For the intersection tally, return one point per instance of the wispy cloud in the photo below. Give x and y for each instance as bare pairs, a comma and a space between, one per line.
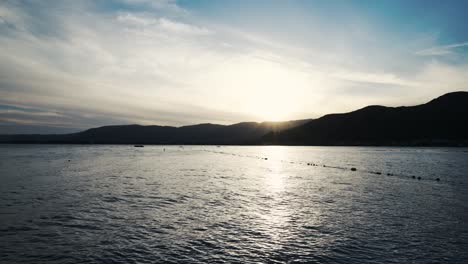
441, 50
375, 78
147, 22
170, 6
82, 66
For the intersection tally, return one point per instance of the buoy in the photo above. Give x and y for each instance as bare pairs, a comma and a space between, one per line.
437, 179
419, 178
353, 169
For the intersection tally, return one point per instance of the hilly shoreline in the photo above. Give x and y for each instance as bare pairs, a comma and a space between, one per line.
440, 122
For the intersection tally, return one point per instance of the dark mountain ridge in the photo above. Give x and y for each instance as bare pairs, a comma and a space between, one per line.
245, 133
440, 122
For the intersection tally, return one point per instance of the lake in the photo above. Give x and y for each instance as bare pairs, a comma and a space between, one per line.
234, 204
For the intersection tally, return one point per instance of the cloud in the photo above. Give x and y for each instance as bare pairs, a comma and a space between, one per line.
167, 6
374, 78
165, 24
182, 28
441, 50
19, 112
80, 66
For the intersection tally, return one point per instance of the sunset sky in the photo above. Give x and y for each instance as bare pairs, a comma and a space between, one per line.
72, 65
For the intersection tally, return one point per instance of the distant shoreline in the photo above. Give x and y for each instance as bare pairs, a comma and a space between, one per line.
441, 122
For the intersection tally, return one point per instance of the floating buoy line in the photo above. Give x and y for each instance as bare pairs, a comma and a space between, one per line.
419, 178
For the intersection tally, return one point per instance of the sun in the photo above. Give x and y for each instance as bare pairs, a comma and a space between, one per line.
262, 89
272, 106
272, 111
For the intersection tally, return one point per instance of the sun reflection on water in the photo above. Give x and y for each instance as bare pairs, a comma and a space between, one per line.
277, 215
275, 178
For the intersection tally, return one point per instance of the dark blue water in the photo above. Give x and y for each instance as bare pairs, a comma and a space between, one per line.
120, 204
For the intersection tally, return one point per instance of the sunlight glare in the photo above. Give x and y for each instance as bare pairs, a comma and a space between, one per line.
275, 178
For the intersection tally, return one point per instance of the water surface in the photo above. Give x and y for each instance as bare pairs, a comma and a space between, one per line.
199, 204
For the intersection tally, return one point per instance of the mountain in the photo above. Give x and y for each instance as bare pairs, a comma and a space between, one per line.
245, 133
442, 121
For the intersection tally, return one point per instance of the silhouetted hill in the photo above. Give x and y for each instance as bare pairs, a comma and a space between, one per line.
241, 133
442, 121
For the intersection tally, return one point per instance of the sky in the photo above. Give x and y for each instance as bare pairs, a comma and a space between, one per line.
70, 65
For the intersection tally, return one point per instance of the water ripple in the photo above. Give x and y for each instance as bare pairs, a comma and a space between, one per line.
232, 205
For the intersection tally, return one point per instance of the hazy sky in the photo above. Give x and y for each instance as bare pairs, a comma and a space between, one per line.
68, 65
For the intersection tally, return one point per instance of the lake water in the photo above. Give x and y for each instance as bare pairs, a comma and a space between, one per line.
206, 204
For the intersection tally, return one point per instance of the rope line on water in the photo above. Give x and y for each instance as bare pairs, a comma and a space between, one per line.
419, 178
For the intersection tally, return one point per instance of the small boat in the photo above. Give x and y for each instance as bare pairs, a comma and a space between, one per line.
139, 146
